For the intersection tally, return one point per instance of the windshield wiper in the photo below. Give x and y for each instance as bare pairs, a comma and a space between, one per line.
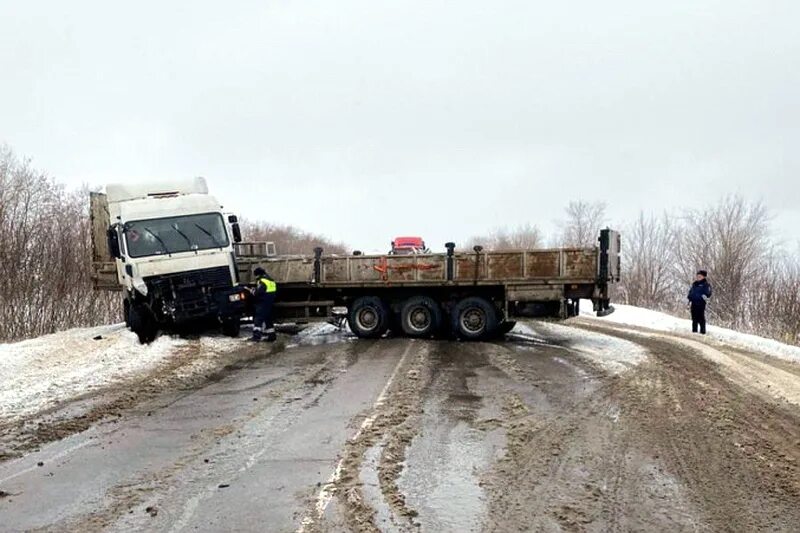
188, 240
204, 230
159, 239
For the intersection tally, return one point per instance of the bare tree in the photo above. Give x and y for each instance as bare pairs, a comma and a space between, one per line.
773, 301
649, 254
45, 260
289, 240
582, 223
525, 236
730, 240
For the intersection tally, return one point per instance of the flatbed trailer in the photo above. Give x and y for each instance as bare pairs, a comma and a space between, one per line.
472, 295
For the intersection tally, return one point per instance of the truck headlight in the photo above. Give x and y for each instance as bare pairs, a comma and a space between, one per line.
238, 297
140, 285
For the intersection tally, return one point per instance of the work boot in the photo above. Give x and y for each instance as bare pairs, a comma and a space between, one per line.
271, 337
256, 336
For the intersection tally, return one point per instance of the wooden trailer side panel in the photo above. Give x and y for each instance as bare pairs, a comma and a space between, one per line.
544, 264
580, 264
502, 267
104, 269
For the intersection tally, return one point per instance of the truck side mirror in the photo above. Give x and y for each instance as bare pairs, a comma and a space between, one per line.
237, 231
233, 219
113, 243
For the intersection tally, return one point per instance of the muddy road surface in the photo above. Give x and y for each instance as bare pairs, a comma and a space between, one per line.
582, 426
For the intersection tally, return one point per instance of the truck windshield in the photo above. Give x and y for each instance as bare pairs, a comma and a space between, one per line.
163, 236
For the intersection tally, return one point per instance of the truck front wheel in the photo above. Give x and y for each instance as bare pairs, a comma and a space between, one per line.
474, 319
142, 323
231, 327
421, 317
369, 317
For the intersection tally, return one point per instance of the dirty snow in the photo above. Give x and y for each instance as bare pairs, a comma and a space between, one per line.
321, 333
43, 372
637, 316
610, 353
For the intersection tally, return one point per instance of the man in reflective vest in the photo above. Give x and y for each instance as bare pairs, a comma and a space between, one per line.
264, 298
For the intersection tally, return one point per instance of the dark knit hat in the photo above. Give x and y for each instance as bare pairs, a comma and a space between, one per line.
259, 271
703, 273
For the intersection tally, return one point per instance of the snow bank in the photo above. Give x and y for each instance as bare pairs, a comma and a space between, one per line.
637, 316
610, 353
40, 373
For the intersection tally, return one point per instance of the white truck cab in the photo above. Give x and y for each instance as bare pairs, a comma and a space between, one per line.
172, 245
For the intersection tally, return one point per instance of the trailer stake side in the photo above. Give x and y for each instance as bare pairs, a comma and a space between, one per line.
468, 294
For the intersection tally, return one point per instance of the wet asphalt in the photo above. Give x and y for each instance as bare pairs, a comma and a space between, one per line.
256, 448
244, 453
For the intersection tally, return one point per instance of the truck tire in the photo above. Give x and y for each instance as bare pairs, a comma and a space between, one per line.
231, 327
369, 317
474, 319
142, 323
126, 312
421, 317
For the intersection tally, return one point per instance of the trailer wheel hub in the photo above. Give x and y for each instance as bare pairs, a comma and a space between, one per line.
420, 318
473, 319
367, 318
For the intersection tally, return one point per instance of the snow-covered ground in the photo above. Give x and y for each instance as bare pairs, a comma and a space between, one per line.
42, 372
610, 353
636, 316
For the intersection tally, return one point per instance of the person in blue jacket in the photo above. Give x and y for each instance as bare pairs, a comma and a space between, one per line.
699, 293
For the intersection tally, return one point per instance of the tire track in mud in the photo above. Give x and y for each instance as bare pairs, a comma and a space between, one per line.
572, 461
736, 452
391, 423
522, 484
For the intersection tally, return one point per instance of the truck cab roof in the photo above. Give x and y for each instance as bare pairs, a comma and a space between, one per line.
123, 192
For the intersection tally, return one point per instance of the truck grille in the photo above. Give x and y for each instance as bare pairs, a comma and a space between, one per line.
210, 278
192, 295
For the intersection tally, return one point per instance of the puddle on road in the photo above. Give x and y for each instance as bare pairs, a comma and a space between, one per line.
444, 463
442, 479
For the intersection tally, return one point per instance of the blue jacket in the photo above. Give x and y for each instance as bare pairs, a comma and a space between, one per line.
698, 290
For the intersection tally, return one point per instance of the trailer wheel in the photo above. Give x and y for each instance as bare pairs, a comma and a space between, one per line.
143, 323
369, 317
474, 319
421, 316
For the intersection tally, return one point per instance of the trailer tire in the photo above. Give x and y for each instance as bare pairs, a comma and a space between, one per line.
369, 317
143, 324
474, 318
421, 317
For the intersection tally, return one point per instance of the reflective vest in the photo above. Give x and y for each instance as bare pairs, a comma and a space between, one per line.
269, 285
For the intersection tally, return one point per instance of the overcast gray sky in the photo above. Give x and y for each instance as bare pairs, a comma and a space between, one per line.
366, 119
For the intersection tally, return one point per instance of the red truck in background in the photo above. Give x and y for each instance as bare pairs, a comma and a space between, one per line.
408, 245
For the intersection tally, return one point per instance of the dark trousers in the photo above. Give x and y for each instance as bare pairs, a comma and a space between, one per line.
262, 320
699, 317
